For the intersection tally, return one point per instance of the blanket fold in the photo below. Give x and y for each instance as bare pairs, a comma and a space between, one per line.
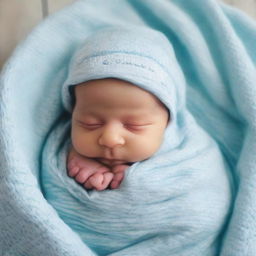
204, 211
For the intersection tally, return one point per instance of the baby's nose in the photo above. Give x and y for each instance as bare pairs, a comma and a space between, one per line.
111, 136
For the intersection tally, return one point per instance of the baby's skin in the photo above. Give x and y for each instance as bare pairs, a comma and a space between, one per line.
114, 124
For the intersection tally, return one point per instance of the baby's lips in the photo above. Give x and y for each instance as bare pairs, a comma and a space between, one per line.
111, 162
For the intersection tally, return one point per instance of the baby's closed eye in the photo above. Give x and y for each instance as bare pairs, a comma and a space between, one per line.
136, 127
90, 125
96, 124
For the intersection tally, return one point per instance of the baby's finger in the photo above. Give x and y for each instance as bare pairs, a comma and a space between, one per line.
101, 181
102, 169
108, 176
84, 174
88, 185
73, 171
96, 180
117, 179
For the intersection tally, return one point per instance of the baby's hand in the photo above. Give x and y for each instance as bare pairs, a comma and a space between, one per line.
118, 171
90, 173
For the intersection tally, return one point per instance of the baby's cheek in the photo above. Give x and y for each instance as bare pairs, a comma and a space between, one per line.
145, 148
83, 143
78, 145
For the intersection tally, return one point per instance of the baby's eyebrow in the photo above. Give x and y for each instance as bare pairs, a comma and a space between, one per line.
82, 116
88, 113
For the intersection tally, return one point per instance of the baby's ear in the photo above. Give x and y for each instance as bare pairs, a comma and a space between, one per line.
72, 96
169, 116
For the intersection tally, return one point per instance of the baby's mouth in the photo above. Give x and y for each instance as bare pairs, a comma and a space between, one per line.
111, 162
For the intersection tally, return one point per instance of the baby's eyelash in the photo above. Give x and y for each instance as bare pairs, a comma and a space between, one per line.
128, 126
90, 125
136, 127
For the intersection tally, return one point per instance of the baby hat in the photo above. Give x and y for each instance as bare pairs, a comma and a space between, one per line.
139, 55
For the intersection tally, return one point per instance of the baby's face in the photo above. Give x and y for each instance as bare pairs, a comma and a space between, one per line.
116, 122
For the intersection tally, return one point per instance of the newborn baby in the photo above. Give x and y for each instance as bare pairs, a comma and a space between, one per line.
130, 125
114, 124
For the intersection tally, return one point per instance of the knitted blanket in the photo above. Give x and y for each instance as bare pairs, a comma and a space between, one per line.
185, 206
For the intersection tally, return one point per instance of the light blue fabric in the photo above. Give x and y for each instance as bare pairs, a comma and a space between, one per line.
164, 204
133, 53
215, 48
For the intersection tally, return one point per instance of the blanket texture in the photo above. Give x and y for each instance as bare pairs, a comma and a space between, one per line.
173, 203
182, 209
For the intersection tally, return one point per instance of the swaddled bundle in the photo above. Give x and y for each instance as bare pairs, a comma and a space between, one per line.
174, 203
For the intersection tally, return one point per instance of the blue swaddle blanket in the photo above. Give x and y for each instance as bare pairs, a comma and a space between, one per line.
178, 202
175, 202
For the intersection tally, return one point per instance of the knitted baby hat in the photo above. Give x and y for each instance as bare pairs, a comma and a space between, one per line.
139, 55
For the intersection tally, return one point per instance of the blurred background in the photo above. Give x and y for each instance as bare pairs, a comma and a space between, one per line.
18, 17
